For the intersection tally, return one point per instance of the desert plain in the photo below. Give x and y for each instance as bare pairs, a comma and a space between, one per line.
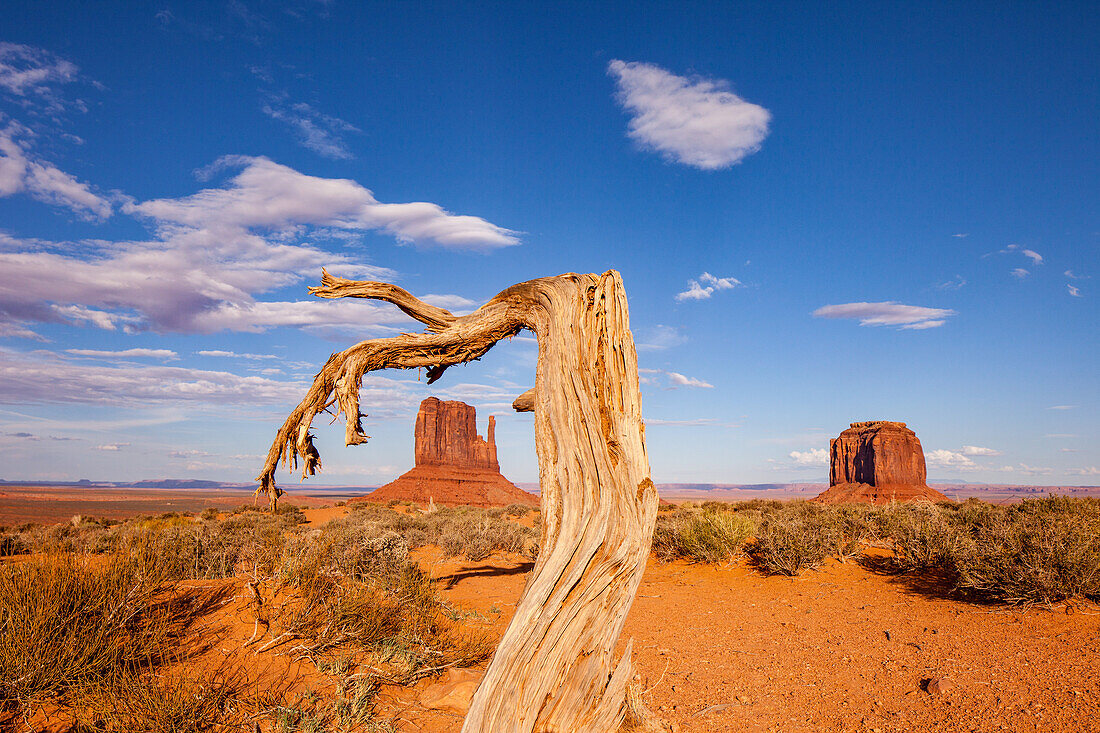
717, 646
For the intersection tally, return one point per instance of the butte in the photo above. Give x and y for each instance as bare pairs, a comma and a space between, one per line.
454, 465
877, 462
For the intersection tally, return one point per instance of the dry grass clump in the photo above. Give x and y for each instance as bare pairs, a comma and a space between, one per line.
707, 535
474, 533
367, 594
71, 627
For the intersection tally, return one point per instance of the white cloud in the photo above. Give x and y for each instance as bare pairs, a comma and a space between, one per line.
319, 132
705, 286
235, 355
1062, 407
1075, 292
697, 121
679, 380
22, 172
1020, 273
1070, 274
32, 73
812, 457
1086, 471
1034, 256
111, 447
951, 459
961, 236
45, 378
266, 195
189, 454
955, 283
217, 251
975, 450
888, 313
124, 353
1033, 470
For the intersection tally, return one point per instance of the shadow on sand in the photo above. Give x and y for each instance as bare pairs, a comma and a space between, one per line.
450, 581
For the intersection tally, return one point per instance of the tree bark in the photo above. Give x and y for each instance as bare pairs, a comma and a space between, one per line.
554, 668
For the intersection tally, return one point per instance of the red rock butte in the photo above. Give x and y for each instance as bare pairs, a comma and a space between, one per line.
454, 465
876, 462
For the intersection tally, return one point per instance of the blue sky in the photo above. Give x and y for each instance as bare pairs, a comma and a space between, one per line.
822, 214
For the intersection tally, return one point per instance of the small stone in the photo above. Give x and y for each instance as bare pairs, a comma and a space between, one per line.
940, 686
744, 699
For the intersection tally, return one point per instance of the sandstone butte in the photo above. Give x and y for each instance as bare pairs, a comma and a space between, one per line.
877, 462
454, 465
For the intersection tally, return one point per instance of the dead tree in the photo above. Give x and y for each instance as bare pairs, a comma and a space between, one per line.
553, 669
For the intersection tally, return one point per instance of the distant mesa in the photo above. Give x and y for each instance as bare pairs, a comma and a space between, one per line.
454, 465
876, 462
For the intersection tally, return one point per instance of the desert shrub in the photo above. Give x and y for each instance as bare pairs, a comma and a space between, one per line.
1039, 552
847, 526
170, 701
924, 536
11, 543
475, 533
709, 536
377, 601
66, 626
788, 545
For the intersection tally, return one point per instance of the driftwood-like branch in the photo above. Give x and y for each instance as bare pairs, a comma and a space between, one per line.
553, 669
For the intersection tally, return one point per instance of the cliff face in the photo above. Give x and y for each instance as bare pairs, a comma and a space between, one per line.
446, 435
877, 461
877, 452
454, 465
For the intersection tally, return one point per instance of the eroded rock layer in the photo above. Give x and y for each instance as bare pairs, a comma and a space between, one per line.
877, 461
454, 465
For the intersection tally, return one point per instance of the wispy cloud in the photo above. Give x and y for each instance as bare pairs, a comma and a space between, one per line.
32, 75
111, 447
696, 422
124, 353
1075, 292
976, 450
679, 380
321, 133
1062, 407
1072, 276
235, 355
706, 285
1032, 255
23, 172
954, 283
1020, 273
695, 121
660, 337
887, 313
1086, 471
961, 235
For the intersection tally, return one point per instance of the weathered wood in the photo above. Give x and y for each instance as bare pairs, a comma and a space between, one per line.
554, 668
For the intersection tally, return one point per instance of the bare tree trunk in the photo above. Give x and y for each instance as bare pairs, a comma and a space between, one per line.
554, 668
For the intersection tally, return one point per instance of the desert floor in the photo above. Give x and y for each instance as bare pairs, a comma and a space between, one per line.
843, 648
